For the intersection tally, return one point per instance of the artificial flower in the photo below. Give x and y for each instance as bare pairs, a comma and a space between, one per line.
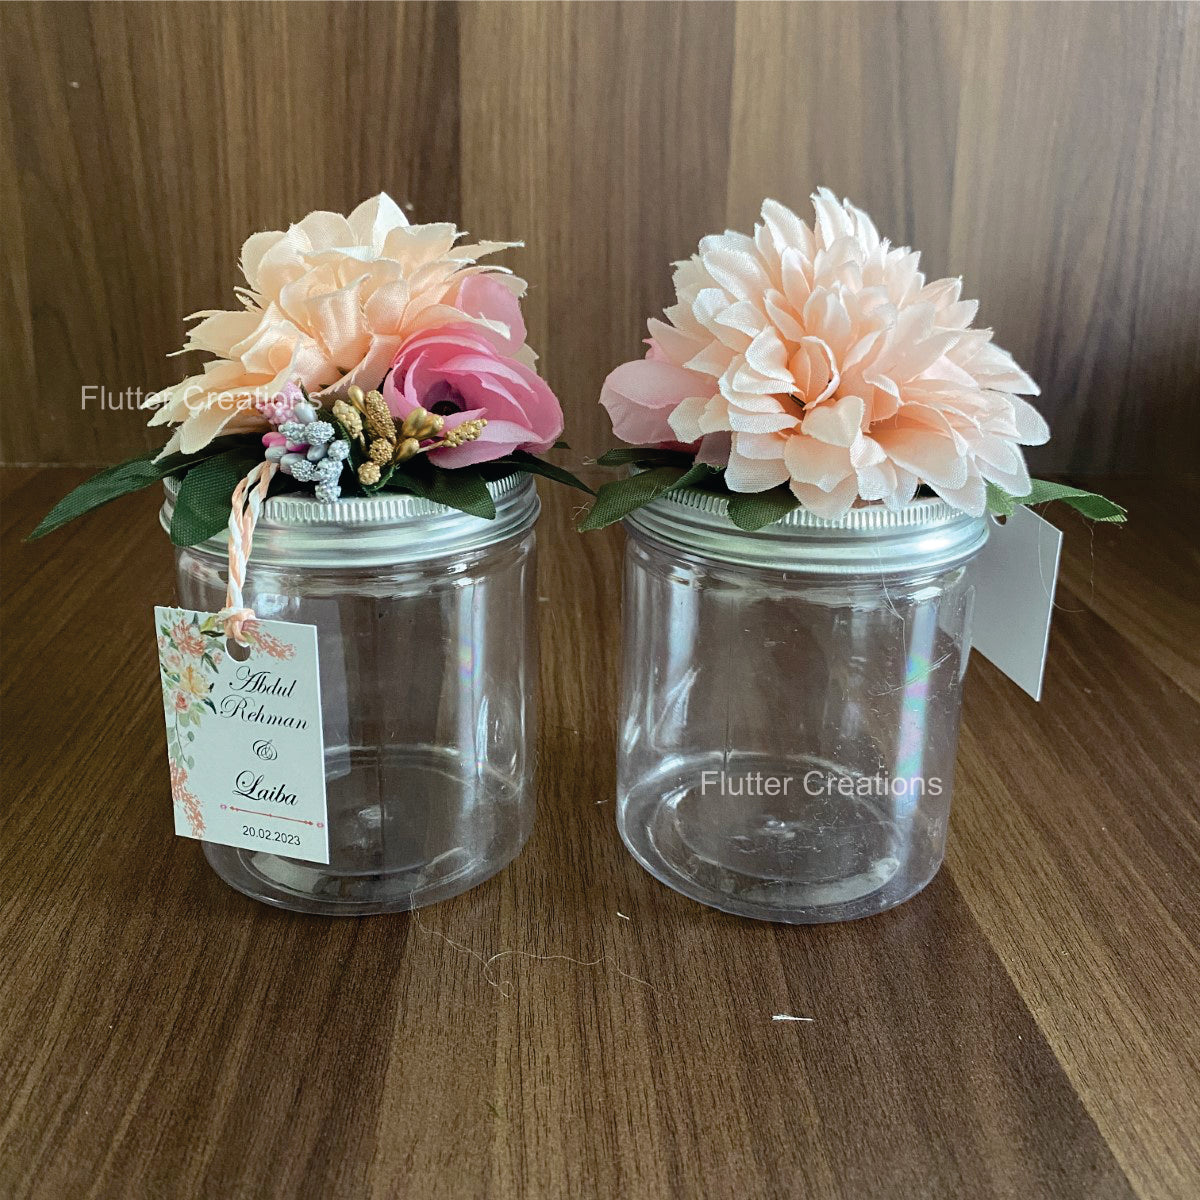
328, 303
281, 408
459, 373
833, 367
334, 306
491, 303
640, 397
304, 447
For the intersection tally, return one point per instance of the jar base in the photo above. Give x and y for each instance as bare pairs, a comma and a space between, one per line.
790, 857
408, 828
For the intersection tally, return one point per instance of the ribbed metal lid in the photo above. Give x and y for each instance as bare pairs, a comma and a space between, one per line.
299, 530
927, 534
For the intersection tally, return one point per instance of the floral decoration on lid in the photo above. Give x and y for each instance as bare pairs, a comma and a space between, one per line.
368, 354
814, 365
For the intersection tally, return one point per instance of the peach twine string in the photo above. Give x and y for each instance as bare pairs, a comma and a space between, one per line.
247, 503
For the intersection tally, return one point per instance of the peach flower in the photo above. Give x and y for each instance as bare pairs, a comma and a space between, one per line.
837, 369
186, 800
187, 638
328, 303
193, 683
258, 637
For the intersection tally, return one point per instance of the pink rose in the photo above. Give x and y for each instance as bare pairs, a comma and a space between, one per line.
490, 301
458, 372
642, 394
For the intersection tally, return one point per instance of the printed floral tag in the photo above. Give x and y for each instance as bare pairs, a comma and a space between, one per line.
244, 734
1015, 577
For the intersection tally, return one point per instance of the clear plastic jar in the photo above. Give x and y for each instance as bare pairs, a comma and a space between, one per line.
791, 703
427, 645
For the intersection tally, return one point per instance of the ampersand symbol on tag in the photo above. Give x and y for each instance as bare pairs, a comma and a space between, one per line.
266, 750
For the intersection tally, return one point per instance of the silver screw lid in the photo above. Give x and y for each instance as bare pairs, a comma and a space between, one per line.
300, 531
927, 534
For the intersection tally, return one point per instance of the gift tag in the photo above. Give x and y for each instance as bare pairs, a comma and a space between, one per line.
244, 734
1015, 577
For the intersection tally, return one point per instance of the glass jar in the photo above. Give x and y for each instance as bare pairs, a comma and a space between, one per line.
427, 648
791, 703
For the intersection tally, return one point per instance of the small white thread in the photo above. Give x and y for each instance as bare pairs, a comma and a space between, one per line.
789, 1017
504, 986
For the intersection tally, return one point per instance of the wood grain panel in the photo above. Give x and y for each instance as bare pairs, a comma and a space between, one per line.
859, 98
1046, 152
1077, 165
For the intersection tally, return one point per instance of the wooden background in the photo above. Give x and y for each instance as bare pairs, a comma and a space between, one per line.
1049, 153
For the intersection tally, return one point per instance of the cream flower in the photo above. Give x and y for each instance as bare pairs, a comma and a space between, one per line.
329, 303
839, 370
193, 683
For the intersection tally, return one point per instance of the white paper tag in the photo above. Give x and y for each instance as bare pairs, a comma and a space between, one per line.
1015, 577
244, 737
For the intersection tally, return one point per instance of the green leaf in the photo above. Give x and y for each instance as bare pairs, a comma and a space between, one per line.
755, 510
1093, 506
650, 456
202, 506
618, 499
463, 488
126, 477
176, 464
999, 502
117, 481
532, 465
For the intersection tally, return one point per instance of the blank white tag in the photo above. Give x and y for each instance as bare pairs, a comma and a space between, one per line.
1015, 577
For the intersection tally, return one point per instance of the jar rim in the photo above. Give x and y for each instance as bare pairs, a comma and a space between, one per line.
928, 533
381, 530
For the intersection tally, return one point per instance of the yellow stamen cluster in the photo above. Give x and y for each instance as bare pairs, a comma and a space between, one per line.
468, 431
349, 419
421, 424
406, 449
378, 418
362, 414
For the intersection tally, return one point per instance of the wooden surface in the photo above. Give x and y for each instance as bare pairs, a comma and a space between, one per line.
1024, 1028
1049, 153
